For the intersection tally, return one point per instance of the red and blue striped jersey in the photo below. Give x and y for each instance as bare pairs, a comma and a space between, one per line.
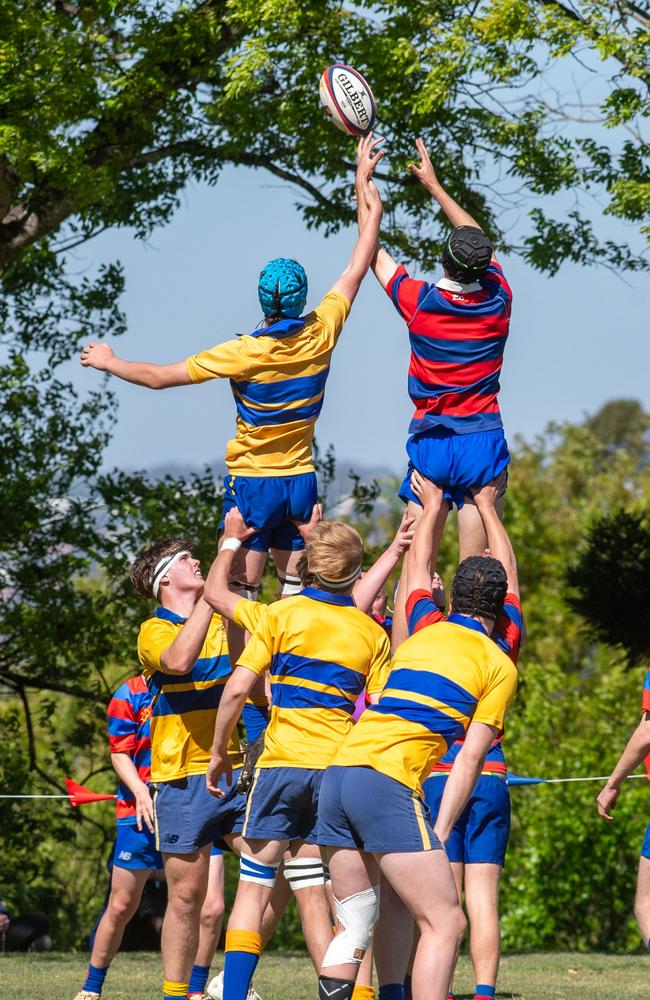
458, 334
421, 611
129, 714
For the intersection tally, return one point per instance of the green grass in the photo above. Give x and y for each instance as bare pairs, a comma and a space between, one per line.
291, 977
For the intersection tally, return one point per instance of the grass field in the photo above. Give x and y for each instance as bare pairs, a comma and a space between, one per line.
291, 977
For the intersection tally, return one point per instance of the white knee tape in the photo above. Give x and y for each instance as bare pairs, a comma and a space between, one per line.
358, 914
303, 873
251, 870
289, 586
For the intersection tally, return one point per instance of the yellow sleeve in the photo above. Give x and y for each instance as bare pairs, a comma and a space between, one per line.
155, 637
258, 652
380, 667
247, 614
332, 314
228, 360
499, 692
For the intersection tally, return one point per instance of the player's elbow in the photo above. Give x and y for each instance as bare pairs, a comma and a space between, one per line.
177, 663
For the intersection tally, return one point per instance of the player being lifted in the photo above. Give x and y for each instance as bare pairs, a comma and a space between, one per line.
458, 328
277, 375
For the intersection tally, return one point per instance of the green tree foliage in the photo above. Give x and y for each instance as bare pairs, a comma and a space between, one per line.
108, 109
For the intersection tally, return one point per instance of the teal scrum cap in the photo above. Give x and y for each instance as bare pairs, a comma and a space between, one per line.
282, 288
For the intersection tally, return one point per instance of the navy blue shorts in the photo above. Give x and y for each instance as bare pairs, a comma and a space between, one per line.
455, 462
270, 503
188, 817
136, 849
645, 848
364, 809
283, 804
480, 834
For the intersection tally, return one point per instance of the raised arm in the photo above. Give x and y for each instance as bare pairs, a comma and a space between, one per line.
638, 746
182, 654
499, 542
368, 586
103, 358
366, 246
423, 553
217, 590
427, 176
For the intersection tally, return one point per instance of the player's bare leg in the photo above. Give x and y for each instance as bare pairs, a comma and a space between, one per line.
642, 899
313, 906
187, 881
212, 912
126, 893
426, 884
393, 936
482, 904
352, 872
472, 539
246, 577
286, 565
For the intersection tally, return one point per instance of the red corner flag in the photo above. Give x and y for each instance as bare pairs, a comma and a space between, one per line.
79, 795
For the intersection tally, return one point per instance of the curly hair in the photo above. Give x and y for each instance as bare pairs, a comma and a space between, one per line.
144, 565
333, 553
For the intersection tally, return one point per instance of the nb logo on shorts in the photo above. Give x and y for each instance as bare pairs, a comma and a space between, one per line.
125, 855
171, 838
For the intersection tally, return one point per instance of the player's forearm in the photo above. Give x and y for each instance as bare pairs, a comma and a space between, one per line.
461, 781
423, 554
367, 243
366, 589
138, 372
456, 215
217, 590
238, 688
637, 749
180, 657
127, 772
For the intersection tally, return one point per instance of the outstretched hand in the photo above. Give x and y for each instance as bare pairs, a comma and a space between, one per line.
424, 169
306, 528
404, 534
487, 496
425, 490
97, 356
234, 526
368, 155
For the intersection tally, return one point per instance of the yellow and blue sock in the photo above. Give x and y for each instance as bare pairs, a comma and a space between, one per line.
391, 991
198, 979
363, 993
483, 992
95, 979
243, 950
172, 990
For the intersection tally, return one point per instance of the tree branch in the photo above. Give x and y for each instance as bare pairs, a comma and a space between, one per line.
45, 684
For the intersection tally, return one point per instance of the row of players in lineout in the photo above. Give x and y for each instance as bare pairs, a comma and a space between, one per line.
458, 329
322, 779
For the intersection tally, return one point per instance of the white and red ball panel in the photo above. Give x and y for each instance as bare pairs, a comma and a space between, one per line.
347, 99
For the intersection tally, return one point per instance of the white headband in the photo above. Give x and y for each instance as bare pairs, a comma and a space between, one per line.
163, 567
339, 584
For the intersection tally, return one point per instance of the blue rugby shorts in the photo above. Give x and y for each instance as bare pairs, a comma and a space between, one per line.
480, 834
455, 462
271, 503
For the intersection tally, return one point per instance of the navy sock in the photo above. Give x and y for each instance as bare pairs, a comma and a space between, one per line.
198, 979
95, 979
485, 991
391, 991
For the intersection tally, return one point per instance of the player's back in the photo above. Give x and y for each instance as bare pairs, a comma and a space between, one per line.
321, 651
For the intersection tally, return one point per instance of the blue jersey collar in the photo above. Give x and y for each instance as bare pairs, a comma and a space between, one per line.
170, 616
283, 328
467, 622
343, 600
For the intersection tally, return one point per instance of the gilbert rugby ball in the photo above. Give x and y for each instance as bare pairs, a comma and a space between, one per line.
347, 99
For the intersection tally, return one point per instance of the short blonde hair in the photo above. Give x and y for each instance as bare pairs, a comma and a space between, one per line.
332, 555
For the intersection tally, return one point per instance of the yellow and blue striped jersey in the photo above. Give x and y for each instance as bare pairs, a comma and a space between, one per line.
321, 651
277, 376
184, 707
441, 679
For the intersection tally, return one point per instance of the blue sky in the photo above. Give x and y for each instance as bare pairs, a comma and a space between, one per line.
577, 339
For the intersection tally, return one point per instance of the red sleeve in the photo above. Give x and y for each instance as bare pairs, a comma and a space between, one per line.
422, 610
645, 697
122, 722
508, 628
495, 273
406, 293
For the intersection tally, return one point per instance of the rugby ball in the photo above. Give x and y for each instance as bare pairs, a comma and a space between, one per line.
347, 99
